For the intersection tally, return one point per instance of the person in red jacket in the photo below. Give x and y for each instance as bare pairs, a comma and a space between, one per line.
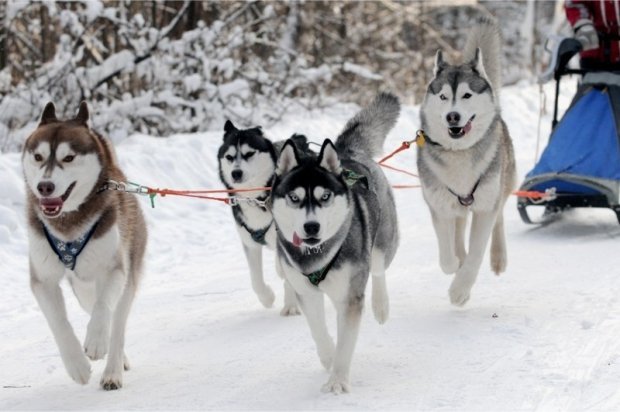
597, 26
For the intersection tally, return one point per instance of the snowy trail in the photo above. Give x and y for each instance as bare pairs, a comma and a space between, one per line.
199, 339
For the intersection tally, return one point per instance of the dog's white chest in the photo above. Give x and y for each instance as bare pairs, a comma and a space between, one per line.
101, 255
461, 174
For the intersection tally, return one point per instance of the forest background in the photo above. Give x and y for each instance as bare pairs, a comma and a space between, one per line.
166, 67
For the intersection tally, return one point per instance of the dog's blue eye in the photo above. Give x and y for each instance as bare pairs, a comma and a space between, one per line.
293, 197
443, 97
466, 95
326, 196
230, 158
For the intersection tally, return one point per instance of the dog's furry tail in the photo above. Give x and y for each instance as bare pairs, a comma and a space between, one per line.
367, 130
486, 35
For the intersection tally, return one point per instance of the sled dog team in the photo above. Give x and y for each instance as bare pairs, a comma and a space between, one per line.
330, 216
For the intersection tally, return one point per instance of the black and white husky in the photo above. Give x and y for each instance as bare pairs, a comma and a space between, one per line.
468, 164
247, 159
77, 229
336, 223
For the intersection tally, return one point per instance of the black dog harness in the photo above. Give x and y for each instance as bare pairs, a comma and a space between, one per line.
68, 252
257, 235
318, 276
466, 200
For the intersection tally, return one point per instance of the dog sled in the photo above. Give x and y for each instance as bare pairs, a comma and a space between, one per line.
580, 167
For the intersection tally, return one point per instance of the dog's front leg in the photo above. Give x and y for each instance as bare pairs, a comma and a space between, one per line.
459, 238
349, 317
380, 300
113, 374
52, 304
481, 226
290, 297
445, 228
254, 256
107, 289
313, 307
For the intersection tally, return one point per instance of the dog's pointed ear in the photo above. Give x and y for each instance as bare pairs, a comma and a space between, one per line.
288, 158
477, 65
82, 115
229, 127
328, 158
49, 114
440, 63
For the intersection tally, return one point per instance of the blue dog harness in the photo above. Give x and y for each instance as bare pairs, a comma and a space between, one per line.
68, 252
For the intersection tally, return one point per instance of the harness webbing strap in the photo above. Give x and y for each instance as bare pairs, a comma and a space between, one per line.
351, 177
257, 235
318, 276
68, 252
466, 200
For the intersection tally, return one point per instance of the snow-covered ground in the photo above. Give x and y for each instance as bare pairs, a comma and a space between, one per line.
543, 336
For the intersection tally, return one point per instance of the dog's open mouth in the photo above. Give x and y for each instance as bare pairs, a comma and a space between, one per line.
297, 241
458, 132
52, 206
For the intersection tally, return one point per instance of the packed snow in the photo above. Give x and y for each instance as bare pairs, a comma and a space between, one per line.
543, 336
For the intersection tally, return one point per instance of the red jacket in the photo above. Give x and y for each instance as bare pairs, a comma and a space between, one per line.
605, 16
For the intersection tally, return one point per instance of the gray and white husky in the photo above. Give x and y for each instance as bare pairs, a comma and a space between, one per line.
468, 162
336, 223
247, 159
94, 237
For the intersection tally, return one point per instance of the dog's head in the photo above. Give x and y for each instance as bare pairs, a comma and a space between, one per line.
310, 199
62, 162
246, 158
460, 104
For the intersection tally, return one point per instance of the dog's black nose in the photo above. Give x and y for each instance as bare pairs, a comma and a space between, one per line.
46, 188
237, 174
312, 228
453, 118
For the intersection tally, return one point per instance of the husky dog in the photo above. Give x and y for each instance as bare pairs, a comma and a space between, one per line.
79, 230
247, 159
468, 162
336, 222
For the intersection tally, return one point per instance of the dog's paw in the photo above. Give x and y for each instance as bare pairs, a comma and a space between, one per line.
78, 368
126, 364
380, 307
459, 292
97, 342
266, 297
290, 310
459, 296
336, 385
111, 384
111, 380
450, 265
498, 263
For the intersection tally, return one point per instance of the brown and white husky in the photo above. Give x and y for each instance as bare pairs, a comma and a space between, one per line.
78, 229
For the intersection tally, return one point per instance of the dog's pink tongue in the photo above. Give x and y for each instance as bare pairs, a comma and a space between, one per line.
467, 127
296, 240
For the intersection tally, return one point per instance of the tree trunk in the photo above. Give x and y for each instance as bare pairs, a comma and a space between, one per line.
3, 35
